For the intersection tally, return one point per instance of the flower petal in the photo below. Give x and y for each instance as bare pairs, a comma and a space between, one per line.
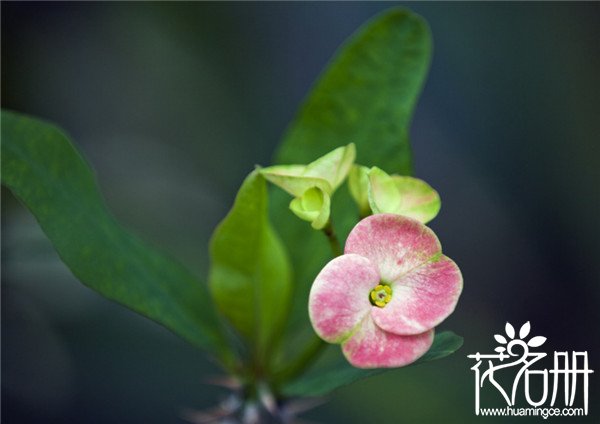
422, 298
426, 285
393, 243
339, 297
372, 347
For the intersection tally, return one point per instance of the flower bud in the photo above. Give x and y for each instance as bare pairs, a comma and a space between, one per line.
313, 206
313, 185
402, 195
358, 183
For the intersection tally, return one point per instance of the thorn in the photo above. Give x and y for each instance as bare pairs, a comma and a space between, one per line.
224, 381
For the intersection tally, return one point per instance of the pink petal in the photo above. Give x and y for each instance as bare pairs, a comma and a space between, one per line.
372, 347
426, 285
394, 243
421, 298
339, 297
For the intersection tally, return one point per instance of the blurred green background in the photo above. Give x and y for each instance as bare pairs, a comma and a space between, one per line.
173, 104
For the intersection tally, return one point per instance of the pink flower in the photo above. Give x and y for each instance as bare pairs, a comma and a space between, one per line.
383, 297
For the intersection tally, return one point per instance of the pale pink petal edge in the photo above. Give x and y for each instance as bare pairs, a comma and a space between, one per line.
395, 244
339, 297
372, 347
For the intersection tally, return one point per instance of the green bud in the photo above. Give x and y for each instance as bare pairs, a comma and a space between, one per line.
383, 195
313, 185
402, 195
334, 166
327, 172
313, 206
291, 178
358, 183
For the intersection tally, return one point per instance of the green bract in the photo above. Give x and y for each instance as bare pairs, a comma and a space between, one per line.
334, 166
374, 191
312, 185
313, 206
402, 195
358, 183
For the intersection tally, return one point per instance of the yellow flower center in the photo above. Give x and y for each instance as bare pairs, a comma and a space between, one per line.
381, 295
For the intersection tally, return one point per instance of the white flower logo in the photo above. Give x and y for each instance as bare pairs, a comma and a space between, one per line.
523, 333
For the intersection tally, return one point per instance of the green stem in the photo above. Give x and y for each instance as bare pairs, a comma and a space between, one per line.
334, 243
306, 358
316, 346
364, 212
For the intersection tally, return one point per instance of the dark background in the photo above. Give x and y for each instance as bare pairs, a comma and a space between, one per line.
173, 104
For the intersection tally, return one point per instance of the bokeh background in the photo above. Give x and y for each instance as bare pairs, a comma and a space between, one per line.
173, 104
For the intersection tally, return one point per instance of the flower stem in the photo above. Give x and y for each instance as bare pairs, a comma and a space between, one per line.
316, 345
314, 348
334, 243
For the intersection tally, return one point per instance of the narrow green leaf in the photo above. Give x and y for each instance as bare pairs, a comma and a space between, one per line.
365, 96
321, 381
250, 277
44, 170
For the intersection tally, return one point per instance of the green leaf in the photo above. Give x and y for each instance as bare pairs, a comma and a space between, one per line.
365, 96
320, 381
44, 170
250, 275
